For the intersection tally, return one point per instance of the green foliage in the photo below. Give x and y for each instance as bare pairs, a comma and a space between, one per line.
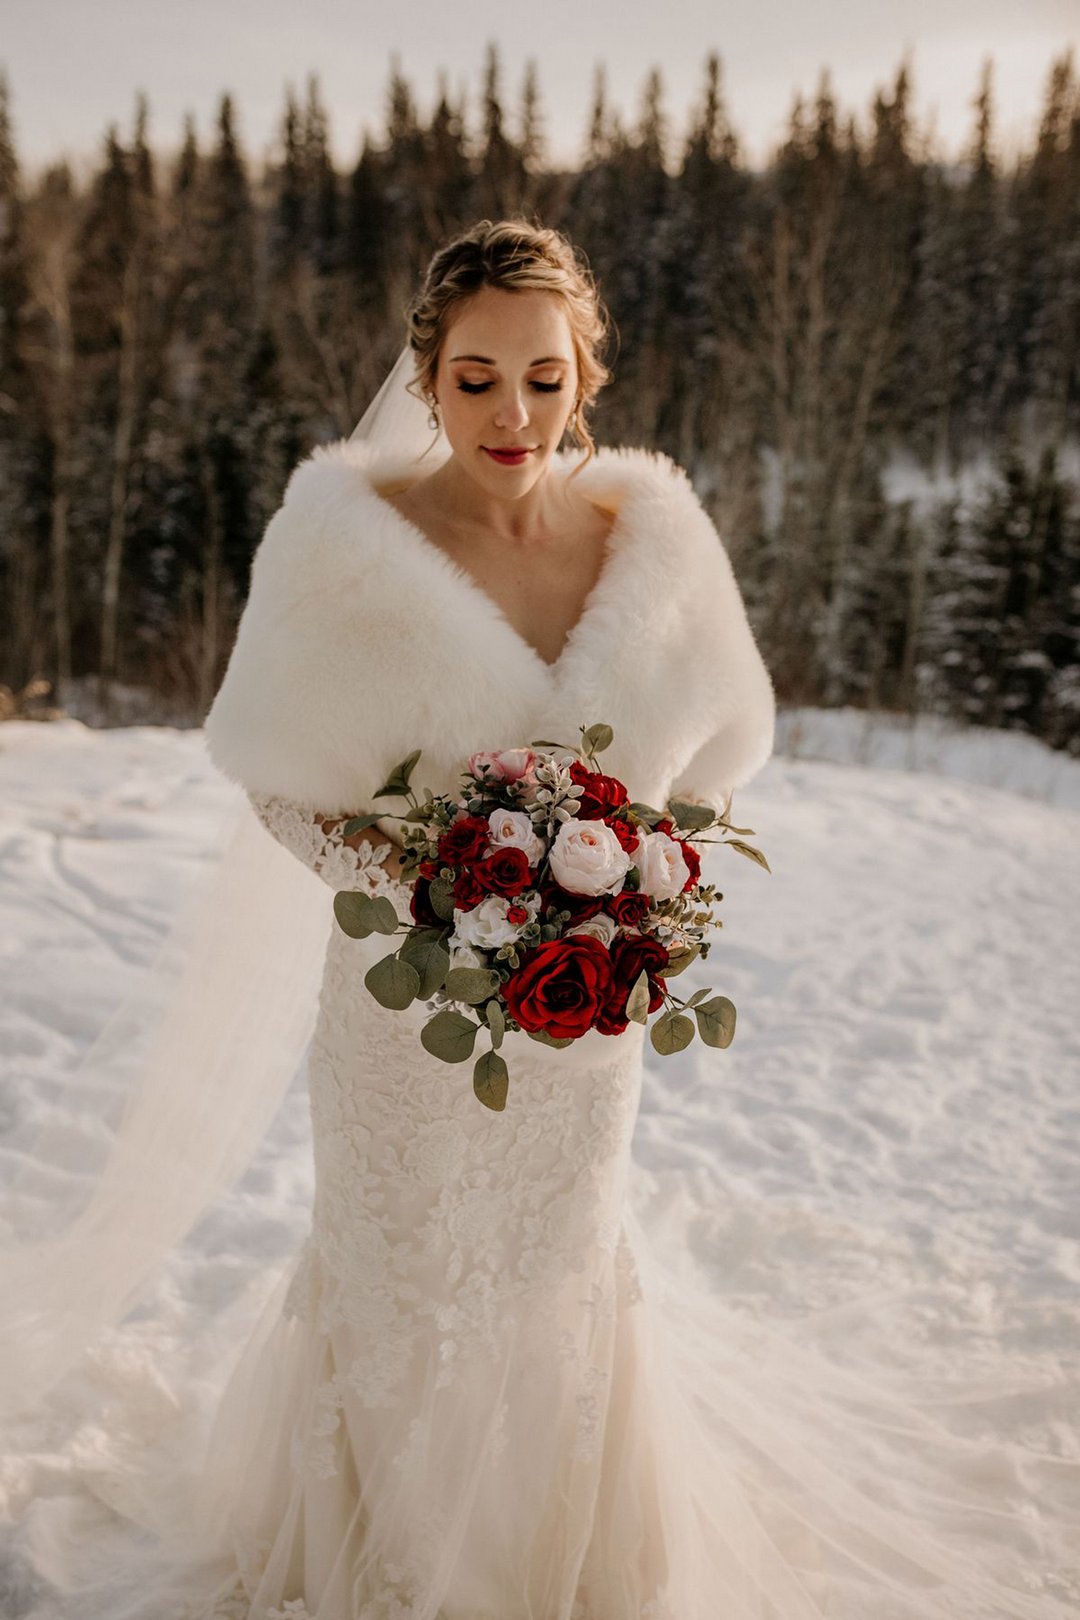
637, 1002
357, 824
396, 785
359, 914
393, 983
441, 898
449, 1036
495, 1018
427, 952
549, 1040
715, 1019
671, 1032
471, 984
749, 851
691, 817
490, 1080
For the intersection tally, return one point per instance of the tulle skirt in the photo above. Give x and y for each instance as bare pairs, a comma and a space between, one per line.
710, 1466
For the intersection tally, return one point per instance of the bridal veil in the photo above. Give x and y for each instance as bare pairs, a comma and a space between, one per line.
194, 1063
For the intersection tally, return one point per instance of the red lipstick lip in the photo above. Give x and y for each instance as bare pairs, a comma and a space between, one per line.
509, 456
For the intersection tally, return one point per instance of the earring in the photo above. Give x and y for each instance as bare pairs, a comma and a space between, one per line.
433, 419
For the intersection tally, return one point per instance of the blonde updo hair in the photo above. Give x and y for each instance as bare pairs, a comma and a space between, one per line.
513, 254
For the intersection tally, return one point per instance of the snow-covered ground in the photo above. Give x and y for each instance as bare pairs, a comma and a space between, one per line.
899, 1109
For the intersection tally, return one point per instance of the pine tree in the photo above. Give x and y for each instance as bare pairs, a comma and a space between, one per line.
23, 579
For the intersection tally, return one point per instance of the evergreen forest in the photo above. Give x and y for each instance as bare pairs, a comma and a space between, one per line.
866, 354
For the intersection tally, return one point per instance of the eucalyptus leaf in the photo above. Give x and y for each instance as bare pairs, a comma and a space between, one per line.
691, 816
471, 984
490, 1080
698, 995
449, 1036
496, 1022
549, 1040
672, 1032
598, 737
428, 954
716, 1021
749, 851
359, 915
441, 896
393, 982
383, 916
645, 812
426, 935
637, 1002
679, 961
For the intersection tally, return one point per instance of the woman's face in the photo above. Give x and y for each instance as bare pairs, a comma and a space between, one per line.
507, 377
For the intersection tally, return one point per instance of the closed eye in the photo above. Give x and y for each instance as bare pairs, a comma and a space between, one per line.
480, 388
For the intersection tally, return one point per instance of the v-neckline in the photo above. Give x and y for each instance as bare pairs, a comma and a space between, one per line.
472, 586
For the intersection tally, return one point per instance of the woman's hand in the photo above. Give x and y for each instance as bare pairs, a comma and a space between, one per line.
394, 859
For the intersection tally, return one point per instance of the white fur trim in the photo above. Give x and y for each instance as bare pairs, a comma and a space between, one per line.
361, 640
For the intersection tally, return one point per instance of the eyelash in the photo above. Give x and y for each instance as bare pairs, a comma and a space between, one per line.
480, 388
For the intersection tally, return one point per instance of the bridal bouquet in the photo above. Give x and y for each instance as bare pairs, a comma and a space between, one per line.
545, 901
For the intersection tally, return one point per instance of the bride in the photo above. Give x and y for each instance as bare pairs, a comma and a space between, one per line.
476, 1394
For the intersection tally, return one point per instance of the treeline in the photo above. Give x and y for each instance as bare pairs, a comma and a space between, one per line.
866, 355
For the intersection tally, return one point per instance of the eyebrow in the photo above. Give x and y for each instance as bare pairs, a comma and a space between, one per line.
486, 360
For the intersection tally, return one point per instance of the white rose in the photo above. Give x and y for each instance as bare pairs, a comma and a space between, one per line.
661, 865
587, 858
487, 925
513, 829
465, 956
601, 927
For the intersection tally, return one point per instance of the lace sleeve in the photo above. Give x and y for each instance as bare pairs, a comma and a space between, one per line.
337, 863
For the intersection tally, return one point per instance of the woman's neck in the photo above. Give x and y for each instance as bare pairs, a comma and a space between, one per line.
462, 502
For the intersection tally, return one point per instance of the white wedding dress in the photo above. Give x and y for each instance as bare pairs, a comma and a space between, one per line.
467, 1312
478, 1396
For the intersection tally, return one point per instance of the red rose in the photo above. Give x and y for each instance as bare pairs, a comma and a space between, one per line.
429, 869
561, 987
505, 871
693, 861
627, 908
629, 955
602, 794
625, 831
580, 906
468, 890
517, 914
464, 841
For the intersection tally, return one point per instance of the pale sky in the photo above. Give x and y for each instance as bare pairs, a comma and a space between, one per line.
75, 65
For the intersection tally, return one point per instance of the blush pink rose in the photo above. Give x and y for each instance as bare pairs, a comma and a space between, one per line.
511, 765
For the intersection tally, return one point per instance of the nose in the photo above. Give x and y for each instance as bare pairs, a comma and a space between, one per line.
512, 411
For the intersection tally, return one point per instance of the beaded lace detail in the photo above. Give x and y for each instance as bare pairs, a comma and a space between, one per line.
324, 850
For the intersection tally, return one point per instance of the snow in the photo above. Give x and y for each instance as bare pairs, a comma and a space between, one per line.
1013, 760
898, 1109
